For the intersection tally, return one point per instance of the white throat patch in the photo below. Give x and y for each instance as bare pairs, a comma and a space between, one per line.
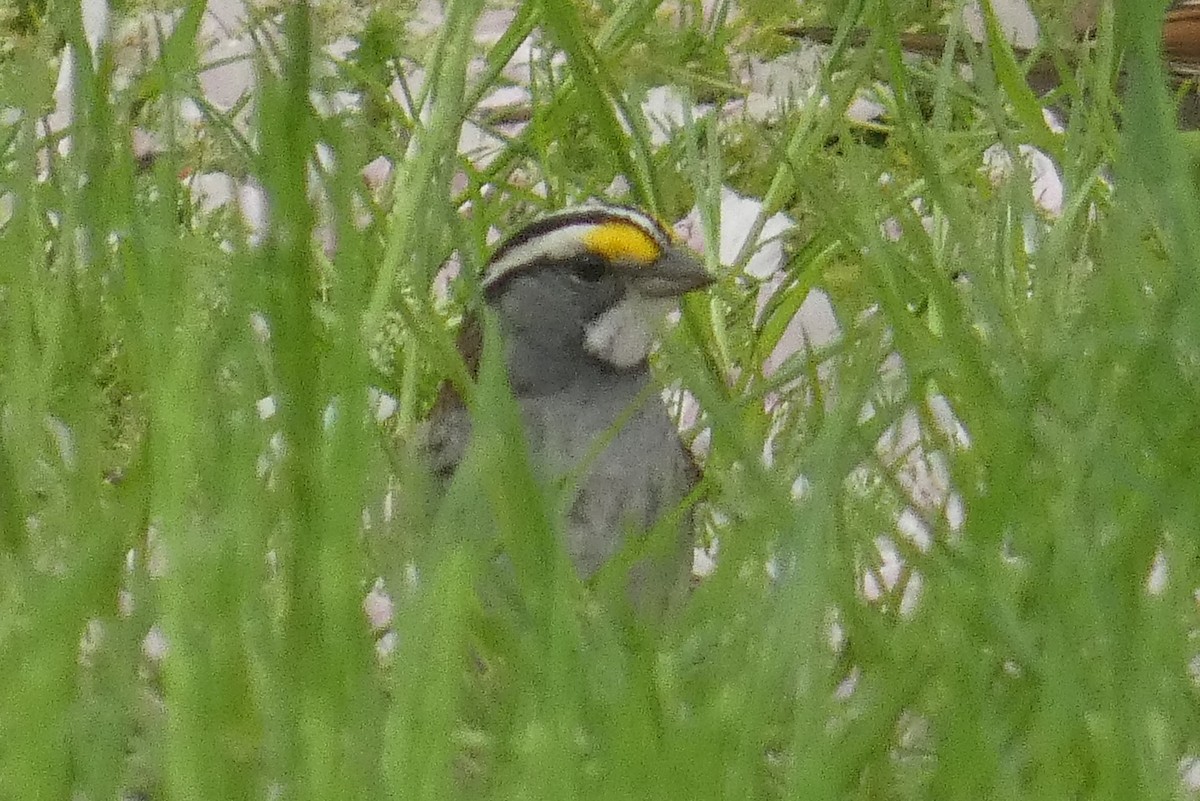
624, 334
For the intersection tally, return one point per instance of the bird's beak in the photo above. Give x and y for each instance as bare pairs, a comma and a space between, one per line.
677, 272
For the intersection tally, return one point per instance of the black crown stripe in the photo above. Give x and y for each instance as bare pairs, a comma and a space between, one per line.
582, 216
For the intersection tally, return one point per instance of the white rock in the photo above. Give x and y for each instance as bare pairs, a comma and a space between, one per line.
1017, 22
378, 607
94, 14
738, 215
265, 407
1045, 182
667, 110
154, 644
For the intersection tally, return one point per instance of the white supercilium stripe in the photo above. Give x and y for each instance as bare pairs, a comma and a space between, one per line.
559, 243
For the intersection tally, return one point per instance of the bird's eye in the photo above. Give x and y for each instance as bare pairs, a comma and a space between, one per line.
589, 271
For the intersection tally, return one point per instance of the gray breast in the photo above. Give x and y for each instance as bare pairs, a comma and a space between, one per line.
618, 455
615, 458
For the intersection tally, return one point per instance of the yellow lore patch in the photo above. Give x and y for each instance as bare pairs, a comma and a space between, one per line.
622, 241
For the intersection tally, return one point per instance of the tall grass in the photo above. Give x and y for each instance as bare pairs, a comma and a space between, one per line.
1010, 406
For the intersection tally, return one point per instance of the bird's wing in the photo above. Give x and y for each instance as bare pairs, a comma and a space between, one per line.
444, 436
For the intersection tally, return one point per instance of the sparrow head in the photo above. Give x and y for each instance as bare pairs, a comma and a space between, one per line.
588, 284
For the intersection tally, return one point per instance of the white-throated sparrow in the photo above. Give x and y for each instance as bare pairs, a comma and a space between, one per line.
580, 296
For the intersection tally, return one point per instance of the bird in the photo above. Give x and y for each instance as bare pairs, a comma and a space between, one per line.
581, 295
1180, 45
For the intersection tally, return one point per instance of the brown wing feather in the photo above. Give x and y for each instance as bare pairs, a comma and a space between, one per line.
470, 346
448, 428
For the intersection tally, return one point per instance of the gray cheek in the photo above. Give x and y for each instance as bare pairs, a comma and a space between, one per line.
515, 304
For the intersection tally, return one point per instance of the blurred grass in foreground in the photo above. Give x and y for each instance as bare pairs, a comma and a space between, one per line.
1038, 660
